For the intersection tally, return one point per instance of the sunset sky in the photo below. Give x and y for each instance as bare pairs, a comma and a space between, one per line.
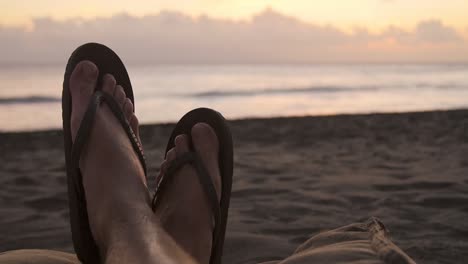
372, 14
437, 29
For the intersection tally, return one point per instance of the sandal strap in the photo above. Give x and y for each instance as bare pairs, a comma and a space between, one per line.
85, 129
204, 178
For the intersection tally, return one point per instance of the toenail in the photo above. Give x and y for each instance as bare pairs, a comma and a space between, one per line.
119, 91
179, 139
109, 77
200, 128
89, 69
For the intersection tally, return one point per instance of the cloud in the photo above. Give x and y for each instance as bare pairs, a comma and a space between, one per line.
434, 31
268, 37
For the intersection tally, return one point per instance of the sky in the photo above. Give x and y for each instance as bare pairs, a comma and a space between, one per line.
252, 31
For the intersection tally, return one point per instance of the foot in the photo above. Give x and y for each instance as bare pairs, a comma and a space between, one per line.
184, 209
108, 162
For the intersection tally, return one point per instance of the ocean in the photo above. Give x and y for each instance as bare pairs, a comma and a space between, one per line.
30, 96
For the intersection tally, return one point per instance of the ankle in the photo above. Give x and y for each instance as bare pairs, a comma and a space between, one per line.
144, 242
191, 229
118, 220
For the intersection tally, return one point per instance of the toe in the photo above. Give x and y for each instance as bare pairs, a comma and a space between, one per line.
162, 170
163, 166
128, 109
206, 145
181, 144
83, 80
134, 124
205, 140
171, 155
119, 95
108, 84
82, 84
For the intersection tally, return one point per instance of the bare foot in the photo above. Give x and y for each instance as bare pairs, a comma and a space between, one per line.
119, 212
113, 178
184, 210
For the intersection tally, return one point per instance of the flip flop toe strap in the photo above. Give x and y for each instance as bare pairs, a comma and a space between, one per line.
204, 178
87, 123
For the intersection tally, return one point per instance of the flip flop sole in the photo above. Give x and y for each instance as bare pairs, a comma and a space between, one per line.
219, 125
107, 62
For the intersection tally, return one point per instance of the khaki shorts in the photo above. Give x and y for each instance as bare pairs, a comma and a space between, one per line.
363, 243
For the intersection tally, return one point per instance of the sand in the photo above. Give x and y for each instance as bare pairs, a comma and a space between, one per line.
294, 177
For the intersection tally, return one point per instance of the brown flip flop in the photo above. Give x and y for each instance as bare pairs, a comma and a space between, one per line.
107, 62
220, 209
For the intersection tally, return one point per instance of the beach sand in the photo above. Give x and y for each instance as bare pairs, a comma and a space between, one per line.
293, 178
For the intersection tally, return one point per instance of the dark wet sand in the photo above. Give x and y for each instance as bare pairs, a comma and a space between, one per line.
293, 178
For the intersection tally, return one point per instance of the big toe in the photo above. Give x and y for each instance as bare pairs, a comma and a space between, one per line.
205, 140
83, 80
82, 84
206, 145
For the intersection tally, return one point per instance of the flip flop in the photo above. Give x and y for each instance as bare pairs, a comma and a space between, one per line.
107, 62
225, 161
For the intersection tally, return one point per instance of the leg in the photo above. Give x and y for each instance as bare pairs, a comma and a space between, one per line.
185, 211
121, 220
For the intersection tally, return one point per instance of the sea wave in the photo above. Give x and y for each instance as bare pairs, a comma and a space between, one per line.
314, 89
323, 90
39, 99
34, 99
